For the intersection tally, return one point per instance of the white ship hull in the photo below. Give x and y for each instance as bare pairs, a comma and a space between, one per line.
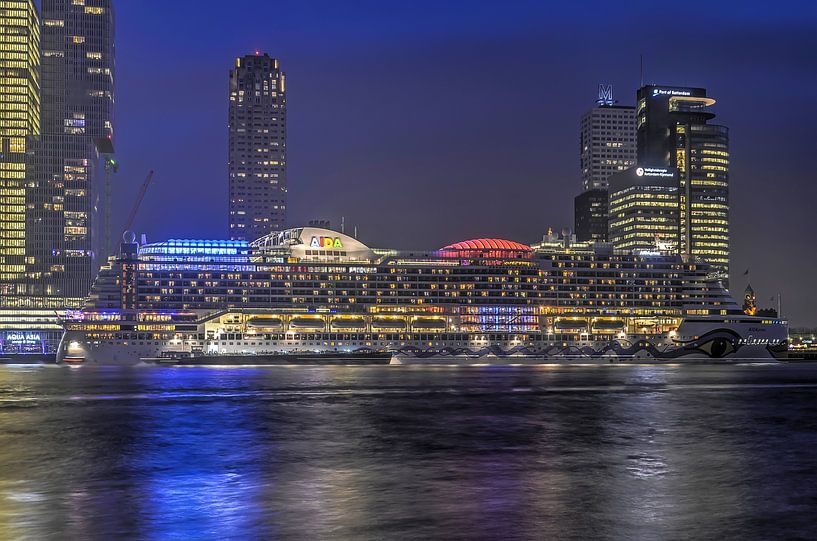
701, 339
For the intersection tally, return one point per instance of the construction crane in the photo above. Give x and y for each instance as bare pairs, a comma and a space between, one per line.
142, 191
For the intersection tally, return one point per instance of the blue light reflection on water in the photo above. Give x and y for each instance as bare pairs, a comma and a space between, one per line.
197, 479
407, 452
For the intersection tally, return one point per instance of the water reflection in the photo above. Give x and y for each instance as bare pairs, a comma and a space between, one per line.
401, 452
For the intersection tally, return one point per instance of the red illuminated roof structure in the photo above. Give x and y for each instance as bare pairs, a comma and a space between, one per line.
487, 249
488, 244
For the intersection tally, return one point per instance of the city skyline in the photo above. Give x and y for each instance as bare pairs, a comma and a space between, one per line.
339, 160
407, 270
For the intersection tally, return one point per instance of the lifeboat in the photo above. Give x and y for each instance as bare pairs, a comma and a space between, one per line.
430, 323
307, 323
389, 323
348, 323
608, 325
571, 325
265, 322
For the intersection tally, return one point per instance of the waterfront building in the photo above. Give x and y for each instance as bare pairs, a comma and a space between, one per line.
21, 323
19, 124
644, 209
316, 290
607, 145
71, 200
257, 148
673, 132
58, 231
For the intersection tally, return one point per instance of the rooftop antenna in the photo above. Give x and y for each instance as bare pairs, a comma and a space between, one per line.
641, 68
355, 231
343, 224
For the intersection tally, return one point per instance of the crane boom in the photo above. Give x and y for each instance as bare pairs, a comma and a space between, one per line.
138, 201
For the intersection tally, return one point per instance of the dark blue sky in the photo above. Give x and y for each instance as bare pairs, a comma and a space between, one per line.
429, 122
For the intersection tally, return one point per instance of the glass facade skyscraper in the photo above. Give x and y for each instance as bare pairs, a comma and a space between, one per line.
673, 132
643, 209
19, 124
57, 106
257, 171
67, 214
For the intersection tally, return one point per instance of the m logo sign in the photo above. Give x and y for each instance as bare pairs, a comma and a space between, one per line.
605, 95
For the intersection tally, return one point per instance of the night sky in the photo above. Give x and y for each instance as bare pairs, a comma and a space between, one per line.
428, 122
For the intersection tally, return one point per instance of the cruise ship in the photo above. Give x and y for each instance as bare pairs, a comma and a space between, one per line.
320, 293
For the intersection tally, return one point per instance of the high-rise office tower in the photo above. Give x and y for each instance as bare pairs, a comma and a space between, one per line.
257, 148
643, 209
607, 146
61, 98
608, 141
673, 132
19, 123
69, 202
19, 126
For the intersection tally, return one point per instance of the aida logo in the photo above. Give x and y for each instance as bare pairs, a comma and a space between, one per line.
326, 242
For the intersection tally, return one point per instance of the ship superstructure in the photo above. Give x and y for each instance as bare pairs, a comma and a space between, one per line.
320, 291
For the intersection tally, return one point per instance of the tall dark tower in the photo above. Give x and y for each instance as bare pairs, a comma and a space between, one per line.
674, 133
257, 148
67, 207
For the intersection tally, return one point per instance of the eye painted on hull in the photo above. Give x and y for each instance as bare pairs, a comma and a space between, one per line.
718, 347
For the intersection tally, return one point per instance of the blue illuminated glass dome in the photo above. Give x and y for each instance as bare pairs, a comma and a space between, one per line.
195, 248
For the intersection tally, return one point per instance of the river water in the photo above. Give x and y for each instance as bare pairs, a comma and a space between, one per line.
605, 452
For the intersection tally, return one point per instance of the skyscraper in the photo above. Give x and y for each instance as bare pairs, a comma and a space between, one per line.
59, 113
19, 123
257, 148
19, 126
68, 206
643, 209
608, 142
607, 146
673, 133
